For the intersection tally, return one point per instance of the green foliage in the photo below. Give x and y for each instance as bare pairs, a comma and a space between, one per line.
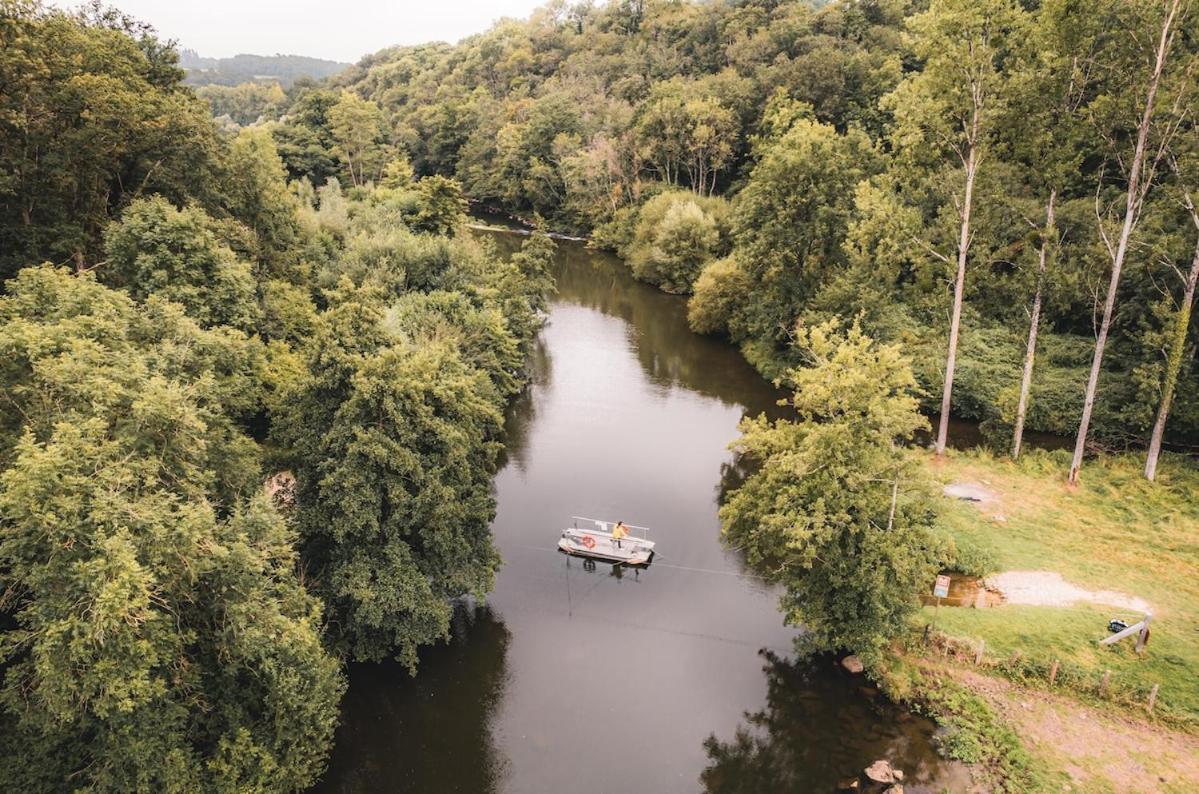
838, 512
144, 578
305, 138
254, 184
91, 116
676, 235
243, 104
357, 127
719, 290
156, 249
441, 208
393, 448
789, 221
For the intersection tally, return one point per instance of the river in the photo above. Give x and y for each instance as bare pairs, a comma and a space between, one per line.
679, 679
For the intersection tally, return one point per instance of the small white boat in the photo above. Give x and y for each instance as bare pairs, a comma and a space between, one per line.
598, 544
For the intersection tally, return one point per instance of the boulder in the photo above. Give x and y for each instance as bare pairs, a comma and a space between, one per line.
853, 664
881, 772
896, 789
898, 773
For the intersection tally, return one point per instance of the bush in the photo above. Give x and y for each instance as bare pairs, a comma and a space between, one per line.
677, 233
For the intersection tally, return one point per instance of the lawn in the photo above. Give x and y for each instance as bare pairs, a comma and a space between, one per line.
1115, 531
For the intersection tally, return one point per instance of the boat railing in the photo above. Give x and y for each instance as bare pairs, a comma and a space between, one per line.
605, 527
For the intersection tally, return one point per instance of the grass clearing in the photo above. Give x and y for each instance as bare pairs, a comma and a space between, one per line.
1116, 531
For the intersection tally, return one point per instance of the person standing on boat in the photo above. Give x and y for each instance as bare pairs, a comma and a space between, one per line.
618, 532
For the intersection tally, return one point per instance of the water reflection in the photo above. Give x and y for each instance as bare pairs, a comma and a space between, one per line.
432, 732
776, 748
669, 353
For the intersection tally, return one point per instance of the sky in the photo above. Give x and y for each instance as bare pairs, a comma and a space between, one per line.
340, 30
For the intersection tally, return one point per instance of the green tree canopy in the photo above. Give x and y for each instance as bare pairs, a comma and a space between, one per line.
155, 635
837, 512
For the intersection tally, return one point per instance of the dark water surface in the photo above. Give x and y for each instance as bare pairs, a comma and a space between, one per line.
679, 679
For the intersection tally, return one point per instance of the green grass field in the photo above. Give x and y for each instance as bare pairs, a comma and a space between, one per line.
1116, 531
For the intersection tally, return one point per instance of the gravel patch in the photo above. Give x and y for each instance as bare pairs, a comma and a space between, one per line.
1048, 588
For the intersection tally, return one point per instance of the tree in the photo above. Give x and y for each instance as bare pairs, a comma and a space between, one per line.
1046, 133
153, 631
789, 223
837, 512
393, 449
156, 249
676, 235
1131, 82
254, 191
1178, 337
357, 126
949, 106
441, 208
93, 114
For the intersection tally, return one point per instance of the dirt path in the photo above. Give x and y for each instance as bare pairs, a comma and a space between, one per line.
1099, 752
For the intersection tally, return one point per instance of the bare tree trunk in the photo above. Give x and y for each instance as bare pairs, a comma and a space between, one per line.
958, 287
1132, 209
1173, 363
1034, 321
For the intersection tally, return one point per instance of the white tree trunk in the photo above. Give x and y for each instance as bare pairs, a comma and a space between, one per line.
1034, 321
1173, 365
1132, 208
958, 287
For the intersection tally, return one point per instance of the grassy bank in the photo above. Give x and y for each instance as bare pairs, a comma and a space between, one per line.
1114, 532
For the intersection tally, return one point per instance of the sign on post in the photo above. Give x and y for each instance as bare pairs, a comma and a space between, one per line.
941, 588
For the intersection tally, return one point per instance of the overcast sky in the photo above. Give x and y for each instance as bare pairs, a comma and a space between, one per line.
341, 30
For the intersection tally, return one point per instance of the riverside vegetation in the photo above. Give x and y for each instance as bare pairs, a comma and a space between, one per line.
179, 323
985, 207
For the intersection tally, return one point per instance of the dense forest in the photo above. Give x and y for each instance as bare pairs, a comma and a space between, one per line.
248, 427
254, 370
884, 158
281, 69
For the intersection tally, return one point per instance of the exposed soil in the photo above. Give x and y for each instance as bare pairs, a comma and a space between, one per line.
1099, 751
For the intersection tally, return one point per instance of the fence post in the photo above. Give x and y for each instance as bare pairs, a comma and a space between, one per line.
1152, 697
1053, 672
1107, 677
978, 654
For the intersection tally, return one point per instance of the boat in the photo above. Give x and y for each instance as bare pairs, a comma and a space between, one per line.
599, 545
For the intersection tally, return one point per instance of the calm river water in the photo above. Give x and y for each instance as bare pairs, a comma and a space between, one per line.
680, 679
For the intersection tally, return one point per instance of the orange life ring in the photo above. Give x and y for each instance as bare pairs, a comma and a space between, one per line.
589, 541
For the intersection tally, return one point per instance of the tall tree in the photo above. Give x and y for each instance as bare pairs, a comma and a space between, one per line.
1136, 74
357, 126
1178, 338
836, 512
950, 106
1045, 138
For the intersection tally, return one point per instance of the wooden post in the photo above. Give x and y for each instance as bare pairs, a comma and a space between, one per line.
1143, 635
978, 654
1152, 697
1053, 672
1107, 678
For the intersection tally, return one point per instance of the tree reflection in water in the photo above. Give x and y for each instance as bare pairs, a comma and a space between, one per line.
821, 726
431, 732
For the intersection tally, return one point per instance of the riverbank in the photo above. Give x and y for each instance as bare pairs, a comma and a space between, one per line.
1116, 542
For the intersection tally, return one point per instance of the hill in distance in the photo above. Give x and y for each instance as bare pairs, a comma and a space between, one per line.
282, 69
